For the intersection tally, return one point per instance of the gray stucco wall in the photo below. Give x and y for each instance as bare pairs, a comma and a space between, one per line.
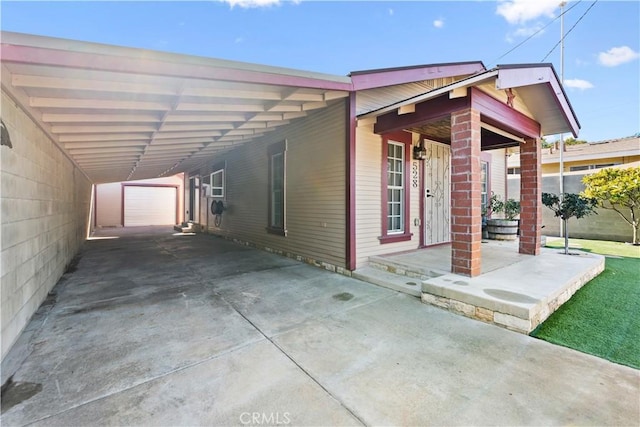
606, 225
45, 211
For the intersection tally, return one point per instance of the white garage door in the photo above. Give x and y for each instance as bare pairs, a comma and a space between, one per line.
149, 206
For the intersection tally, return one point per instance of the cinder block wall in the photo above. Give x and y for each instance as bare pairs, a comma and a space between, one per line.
45, 211
606, 225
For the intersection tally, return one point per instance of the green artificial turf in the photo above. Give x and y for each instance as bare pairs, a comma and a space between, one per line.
603, 317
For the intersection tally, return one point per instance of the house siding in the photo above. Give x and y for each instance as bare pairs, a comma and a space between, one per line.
498, 182
315, 189
45, 216
369, 199
500, 95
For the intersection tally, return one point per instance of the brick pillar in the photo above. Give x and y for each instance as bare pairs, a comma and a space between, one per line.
466, 216
530, 197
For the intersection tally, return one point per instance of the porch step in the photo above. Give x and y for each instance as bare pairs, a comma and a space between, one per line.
406, 269
388, 280
187, 227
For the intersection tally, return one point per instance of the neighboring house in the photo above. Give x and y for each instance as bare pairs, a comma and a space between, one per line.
585, 157
328, 169
580, 160
156, 201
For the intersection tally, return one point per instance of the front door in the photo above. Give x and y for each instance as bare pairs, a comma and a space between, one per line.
194, 199
437, 200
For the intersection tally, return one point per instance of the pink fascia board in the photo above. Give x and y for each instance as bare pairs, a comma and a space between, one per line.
513, 76
141, 65
394, 76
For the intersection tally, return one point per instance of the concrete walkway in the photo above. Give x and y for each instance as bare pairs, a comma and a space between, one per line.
157, 329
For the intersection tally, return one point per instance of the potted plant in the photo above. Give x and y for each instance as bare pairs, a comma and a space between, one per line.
503, 228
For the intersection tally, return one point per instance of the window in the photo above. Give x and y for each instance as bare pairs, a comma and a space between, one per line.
277, 188
484, 186
513, 171
395, 187
217, 183
591, 167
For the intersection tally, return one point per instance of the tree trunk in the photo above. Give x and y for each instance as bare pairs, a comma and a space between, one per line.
566, 237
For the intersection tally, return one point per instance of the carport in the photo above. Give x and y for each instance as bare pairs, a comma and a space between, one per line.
121, 116
75, 114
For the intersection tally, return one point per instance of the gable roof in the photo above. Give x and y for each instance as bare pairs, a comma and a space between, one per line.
538, 85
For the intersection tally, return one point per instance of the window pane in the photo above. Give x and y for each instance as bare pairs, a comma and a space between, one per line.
277, 191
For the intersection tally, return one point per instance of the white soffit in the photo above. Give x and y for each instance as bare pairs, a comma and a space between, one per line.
124, 114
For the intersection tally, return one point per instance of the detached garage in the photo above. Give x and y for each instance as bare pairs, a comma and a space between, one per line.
139, 203
150, 205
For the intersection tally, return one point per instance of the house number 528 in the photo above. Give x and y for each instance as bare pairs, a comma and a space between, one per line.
414, 174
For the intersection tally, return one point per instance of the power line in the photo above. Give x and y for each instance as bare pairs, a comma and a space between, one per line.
534, 34
570, 29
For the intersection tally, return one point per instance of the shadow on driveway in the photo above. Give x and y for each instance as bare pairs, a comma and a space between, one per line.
160, 329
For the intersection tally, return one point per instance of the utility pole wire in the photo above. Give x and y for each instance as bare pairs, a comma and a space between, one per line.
570, 29
533, 35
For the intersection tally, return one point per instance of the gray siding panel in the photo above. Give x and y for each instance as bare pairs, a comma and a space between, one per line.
315, 195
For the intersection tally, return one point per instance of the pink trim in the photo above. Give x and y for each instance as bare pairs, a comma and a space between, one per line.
421, 198
405, 139
394, 238
350, 254
395, 76
499, 114
427, 111
61, 58
573, 120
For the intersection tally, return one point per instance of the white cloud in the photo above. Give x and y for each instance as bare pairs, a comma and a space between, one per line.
528, 31
251, 3
438, 23
391, 12
578, 84
521, 11
617, 55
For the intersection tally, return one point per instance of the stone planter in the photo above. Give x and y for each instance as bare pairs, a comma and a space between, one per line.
502, 229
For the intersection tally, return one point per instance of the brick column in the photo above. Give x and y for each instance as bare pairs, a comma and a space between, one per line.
466, 220
530, 197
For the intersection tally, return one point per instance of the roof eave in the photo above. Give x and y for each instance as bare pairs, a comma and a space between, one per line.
519, 75
371, 79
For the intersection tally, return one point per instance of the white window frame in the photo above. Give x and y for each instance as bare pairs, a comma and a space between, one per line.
392, 188
484, 186
219, 189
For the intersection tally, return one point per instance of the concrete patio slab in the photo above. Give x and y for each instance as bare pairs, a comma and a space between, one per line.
514, 291
160, 329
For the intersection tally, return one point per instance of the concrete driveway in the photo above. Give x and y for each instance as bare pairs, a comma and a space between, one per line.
159, 329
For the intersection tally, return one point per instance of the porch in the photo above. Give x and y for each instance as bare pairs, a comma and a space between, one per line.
514, 290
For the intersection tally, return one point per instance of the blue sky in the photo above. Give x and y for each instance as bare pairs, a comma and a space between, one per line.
601, 66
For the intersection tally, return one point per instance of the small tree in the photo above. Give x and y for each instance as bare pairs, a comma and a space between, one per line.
618, 190
571, 205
